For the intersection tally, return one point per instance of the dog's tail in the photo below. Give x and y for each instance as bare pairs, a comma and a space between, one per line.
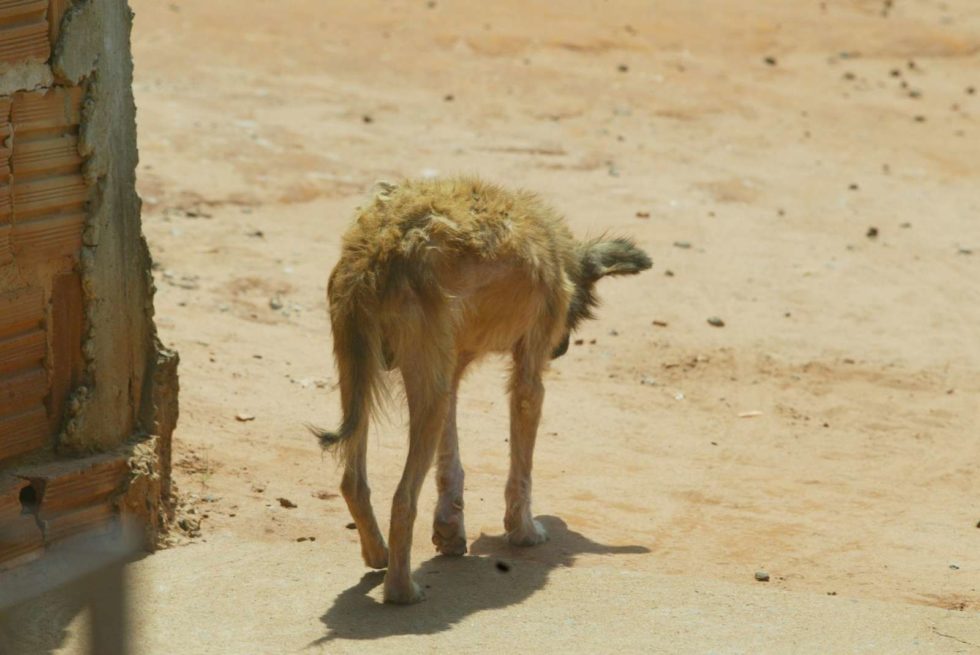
359, 354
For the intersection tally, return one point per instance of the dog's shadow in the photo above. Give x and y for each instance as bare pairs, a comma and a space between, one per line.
495, 574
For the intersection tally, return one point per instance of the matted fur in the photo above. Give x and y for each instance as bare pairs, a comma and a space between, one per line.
433, 275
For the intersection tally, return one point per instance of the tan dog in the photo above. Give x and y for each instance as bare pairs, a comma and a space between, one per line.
434, 275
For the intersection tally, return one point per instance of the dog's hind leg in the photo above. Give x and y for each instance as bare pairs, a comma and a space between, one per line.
448, 531
356, 492
428, 380
526, 398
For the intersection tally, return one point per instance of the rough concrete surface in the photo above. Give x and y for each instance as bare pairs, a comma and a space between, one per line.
120, 347
82, 372
826, 435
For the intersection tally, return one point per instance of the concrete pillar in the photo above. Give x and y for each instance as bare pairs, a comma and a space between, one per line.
88, 396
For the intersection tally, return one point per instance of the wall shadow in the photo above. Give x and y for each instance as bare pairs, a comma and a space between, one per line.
494, 575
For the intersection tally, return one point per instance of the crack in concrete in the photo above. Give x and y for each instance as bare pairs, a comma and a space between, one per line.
953, 637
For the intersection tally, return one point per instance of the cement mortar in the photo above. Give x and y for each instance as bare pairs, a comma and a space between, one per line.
121, 350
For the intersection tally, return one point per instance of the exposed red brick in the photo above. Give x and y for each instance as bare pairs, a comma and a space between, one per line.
24, 31
21, 539
67, 323
23, 351
48, 238
70, 485
24, 432
22, 390
21, 310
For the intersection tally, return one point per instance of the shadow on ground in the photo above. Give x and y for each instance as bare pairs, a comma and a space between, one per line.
494, 575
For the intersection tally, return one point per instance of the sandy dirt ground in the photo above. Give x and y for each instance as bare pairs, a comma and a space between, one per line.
805, 171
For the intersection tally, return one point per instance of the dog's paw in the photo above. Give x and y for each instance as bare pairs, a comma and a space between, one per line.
529, 533
402, 594
449, 537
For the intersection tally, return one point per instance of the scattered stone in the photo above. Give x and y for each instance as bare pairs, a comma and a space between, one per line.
351, 526
971, 90
623, 68
367, 118
660, 323
831, 593
579, 342
762, 576
850, 76
684, 245
965, 251
244, 417
750, 414
920, 119
275, 302
323, 495
613, 333
954, 567
449, 97
905, 225
669, 273
771, 61
285, 502
872, 233
591, 342
915, 93
648, 381
502, 566
716, 321
642, 214
896, 72
853, 187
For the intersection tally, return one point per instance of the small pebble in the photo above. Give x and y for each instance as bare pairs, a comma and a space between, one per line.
502, 566
762, 576
682, 244
954, 567
660, 323
771, 61
244, 417
623, 68
351, 526
285, 502
579, 342
643, 214
872, 233
669, 273
716, 321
